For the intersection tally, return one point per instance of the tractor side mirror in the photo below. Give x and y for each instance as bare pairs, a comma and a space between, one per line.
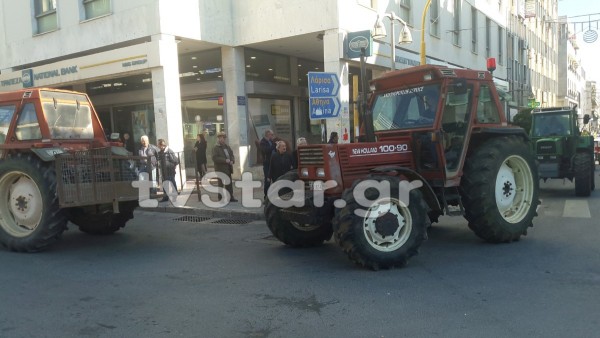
586, 118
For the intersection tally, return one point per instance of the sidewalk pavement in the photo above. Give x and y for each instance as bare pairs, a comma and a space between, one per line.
194, 206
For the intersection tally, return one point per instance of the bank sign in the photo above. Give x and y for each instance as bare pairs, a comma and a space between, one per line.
28, 77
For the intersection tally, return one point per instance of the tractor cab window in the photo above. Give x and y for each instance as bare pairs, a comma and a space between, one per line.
551, 125
6, 115
455, 122
412, 107
487, 111
69, 115
28, 126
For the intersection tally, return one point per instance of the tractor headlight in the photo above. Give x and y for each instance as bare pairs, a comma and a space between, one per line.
320, 172
304, 172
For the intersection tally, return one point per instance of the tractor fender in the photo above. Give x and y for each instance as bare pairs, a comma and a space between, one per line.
411, 175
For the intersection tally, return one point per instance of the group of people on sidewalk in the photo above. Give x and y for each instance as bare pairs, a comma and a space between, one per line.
276, 160
162, 157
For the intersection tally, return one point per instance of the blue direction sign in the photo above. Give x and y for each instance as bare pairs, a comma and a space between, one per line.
324, 107
323, 84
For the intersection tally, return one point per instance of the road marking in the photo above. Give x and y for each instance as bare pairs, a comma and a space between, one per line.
577, 208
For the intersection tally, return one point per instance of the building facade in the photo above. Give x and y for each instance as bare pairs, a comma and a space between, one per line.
172, 69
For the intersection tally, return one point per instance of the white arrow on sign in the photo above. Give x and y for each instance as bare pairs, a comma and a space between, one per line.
336, 84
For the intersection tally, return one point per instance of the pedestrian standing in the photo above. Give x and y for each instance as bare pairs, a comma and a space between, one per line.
281, 162
333, 137
223, 158
148, 164
267, 148
168, 161
200, 152
127, 142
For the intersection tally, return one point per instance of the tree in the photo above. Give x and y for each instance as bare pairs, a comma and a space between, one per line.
523, 119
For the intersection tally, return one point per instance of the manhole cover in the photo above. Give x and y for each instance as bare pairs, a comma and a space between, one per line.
231, 221
193, 219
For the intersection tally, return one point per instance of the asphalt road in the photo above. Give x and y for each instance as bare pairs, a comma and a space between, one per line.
162, 277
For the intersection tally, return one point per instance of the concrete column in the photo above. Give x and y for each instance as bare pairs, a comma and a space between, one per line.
333, 52
236, 112
167, 96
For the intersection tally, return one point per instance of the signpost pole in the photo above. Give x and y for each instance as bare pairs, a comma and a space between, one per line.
367, 118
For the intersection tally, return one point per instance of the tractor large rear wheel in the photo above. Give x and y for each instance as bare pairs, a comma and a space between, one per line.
499, 189
102, 221
387, 232
30, 218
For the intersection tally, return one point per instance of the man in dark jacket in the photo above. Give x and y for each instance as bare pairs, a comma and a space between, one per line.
281, 162
267, 147
149, 152
224, 159
168, 162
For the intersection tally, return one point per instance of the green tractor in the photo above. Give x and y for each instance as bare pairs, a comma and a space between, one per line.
561, 150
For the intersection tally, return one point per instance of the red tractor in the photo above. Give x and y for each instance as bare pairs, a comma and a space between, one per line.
437, 143
56, 165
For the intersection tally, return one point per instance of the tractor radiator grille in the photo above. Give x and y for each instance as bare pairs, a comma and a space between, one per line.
545, 147
310, 156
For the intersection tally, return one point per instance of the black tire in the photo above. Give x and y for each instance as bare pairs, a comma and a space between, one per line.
102, 221
500, 189
582, 163
593, 176
31, 219
361, 237
295, 234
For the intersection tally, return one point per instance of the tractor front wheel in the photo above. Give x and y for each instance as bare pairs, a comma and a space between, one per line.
292, 233
582, 164
387, 231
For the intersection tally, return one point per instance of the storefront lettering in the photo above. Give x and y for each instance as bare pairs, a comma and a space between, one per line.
134, 63
28, 76
55, 73
68, 70
11, 82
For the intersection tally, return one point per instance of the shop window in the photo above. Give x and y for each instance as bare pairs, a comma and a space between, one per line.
201, 116
45, 16
267, 67
305, 66
200, 67
96, 8
434, 18
456, 24
405, 11
28, 127
269, 114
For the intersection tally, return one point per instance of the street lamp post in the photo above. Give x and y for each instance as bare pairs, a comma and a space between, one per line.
380, 33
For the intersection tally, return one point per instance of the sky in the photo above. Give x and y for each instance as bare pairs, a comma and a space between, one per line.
587, 51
